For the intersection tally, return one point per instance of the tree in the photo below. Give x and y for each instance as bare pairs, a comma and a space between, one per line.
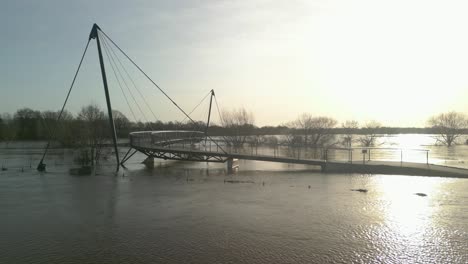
91, 133
349, 129
122, 124
239, 123
61, 130
27, 122
370, 129
316, 130
2, 129
448, 126
7, 127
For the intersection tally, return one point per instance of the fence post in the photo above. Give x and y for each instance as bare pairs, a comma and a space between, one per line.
401, 157
427, 157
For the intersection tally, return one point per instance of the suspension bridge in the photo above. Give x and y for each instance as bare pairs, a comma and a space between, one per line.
198, 145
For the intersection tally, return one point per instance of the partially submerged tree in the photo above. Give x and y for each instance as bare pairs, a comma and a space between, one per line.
240, 124
91, 133
349, 129
315, 130
448, 126
371, 130
61, 130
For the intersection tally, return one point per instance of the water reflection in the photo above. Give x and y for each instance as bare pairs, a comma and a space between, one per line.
269, 213
409, 228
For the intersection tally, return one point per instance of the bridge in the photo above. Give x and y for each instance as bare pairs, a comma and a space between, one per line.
195, 146
200, 146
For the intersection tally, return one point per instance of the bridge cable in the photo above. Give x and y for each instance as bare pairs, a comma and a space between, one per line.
181, 125
219, 113
220, 117
131, 79
195, 127
157, 86
125, 83
118, 81
204, 98
41, 165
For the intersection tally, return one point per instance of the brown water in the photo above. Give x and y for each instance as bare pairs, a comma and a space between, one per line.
194, 213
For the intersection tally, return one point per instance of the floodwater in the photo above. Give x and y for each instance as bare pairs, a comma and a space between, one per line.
183, 212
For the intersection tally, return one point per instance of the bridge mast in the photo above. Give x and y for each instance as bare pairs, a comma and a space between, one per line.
94, 35
209, 112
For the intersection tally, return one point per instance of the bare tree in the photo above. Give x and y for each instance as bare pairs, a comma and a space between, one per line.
293, 139
240, 124
60, 130
92, 132
349, 129
370, 129
122, 124
448, 126
304, 123
316, 130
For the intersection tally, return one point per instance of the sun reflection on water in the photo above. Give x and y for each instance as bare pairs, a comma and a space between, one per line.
408, 219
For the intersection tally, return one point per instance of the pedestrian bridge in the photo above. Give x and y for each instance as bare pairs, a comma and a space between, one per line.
195, 146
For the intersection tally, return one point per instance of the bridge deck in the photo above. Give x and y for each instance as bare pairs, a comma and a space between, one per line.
376, 167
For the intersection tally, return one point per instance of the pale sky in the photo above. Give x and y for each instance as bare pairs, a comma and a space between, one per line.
397, 62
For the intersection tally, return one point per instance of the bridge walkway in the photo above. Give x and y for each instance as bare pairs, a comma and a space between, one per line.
155, 145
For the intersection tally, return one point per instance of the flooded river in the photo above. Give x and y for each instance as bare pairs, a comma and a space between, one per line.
183, 212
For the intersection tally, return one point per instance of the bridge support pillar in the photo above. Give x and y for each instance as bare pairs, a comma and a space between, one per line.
149, 162
232, 165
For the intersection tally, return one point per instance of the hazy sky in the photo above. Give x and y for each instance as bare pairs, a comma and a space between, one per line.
398, 62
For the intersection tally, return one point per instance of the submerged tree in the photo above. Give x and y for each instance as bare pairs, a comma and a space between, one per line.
371, 130
448, 126
60, 130
349, 129
91, 133
240, 124
315, 130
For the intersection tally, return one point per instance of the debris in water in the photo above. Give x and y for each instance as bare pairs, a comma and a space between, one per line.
421, 194
359, 190
236, 181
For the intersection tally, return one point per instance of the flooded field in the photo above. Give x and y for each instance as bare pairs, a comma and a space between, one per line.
184, 212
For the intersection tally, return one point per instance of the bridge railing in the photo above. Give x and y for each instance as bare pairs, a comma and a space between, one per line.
196, 140
368, 154
351, 155
163, 138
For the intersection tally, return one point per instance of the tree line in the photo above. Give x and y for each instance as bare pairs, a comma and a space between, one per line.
308, 130
90, 126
